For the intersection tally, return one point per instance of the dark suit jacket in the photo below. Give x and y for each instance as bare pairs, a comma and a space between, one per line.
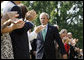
19, 36
20, 42
47, 47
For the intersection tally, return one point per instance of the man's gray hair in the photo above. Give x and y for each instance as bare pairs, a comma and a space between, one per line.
45, 14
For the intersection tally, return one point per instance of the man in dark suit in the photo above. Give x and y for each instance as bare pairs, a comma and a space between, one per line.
45, 40
19, 36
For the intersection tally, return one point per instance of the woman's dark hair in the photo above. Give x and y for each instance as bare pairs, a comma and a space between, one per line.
23, 10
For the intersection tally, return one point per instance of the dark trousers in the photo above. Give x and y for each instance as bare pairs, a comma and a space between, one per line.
44, 56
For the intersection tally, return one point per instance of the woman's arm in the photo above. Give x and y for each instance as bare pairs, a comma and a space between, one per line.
7, 29
13, 26
5, 24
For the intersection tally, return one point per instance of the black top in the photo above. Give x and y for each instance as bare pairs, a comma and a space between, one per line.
20, 42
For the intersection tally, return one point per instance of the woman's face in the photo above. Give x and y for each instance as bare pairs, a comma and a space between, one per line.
64, 34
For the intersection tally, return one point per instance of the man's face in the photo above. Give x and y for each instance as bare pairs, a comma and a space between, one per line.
43, 19
31, 15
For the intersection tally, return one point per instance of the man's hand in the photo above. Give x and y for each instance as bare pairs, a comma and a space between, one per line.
65, 56
39, 28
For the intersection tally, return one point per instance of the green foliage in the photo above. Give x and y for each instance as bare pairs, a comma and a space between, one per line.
58, 15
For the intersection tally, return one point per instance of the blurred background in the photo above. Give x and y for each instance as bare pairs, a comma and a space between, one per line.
66, 14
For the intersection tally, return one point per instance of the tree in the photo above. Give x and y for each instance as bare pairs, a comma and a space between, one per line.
66, 14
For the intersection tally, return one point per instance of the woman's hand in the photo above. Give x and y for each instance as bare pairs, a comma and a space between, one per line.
18, 24
9, 15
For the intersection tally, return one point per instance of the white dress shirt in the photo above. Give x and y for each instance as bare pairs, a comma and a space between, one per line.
31, 36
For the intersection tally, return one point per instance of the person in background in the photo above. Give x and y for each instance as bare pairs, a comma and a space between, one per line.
58, 54
69, 34
63, 34
73, 50
81, 54
65, 39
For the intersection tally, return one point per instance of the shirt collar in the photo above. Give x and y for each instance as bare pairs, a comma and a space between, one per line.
27, 20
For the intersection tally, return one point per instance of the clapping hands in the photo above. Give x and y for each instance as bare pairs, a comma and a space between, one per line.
10, 15
18, 24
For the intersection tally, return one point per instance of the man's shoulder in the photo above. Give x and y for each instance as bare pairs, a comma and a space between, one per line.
29, 23
52, 27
